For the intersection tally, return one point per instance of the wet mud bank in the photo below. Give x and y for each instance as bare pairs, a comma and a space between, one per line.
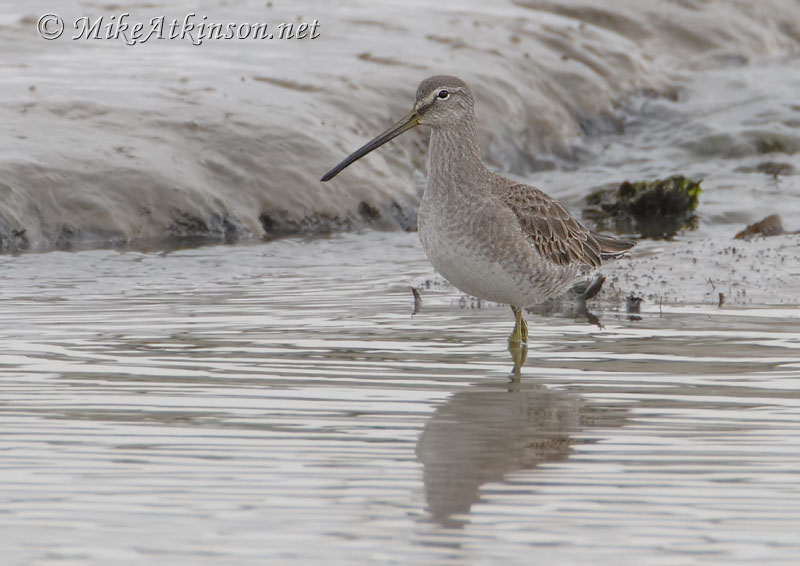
115, 145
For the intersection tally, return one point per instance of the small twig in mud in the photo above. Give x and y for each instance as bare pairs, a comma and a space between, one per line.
721, 299
710, 282
660, 301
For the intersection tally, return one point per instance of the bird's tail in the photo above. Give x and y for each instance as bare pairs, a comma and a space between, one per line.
612, 247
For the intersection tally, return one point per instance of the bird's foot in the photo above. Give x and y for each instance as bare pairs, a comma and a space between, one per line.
590, 317
589, 293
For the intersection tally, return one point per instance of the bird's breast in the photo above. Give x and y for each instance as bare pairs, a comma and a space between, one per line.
463, 246
480, 249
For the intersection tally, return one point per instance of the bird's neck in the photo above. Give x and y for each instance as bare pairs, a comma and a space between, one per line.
454, 158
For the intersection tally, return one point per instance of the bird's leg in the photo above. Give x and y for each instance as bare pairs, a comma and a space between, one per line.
594, 287
520, 333
519, 353
591, 292
518, 342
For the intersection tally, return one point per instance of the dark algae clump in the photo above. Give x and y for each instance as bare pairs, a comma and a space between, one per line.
655, 209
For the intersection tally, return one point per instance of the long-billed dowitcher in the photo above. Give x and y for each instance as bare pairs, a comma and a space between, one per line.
491, 237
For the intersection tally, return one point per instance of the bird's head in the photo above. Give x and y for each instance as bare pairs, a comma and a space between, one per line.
441, 100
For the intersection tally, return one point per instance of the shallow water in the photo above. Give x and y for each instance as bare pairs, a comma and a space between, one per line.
278, 403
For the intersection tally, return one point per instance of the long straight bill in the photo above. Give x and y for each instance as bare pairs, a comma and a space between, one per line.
408, 122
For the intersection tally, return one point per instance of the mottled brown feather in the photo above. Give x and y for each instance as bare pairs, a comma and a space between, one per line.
555, 233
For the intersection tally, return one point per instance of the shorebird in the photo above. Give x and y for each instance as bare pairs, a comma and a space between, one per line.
491, 237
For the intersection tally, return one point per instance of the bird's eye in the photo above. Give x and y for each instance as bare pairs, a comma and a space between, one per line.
443, 94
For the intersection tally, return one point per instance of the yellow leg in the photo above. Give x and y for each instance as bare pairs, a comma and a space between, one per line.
518, 342
519, 353
520, 333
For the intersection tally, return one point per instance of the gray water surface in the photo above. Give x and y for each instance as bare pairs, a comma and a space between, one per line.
279, 404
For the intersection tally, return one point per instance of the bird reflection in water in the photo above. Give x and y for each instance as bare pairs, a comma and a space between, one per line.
484, 434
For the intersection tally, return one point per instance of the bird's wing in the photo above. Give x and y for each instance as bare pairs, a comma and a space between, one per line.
611, 247
555, 233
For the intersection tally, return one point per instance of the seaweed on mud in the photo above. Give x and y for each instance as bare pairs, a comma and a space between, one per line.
655, 209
